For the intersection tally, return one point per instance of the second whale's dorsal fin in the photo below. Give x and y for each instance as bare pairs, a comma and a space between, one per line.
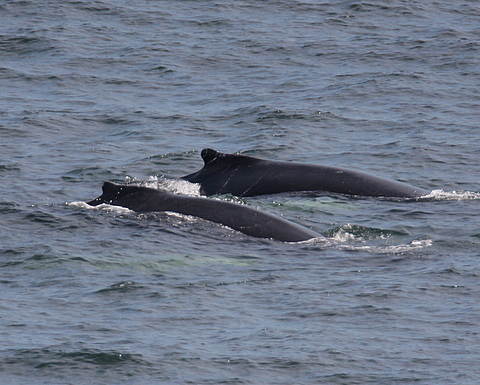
111, 189
210, 155
217, 168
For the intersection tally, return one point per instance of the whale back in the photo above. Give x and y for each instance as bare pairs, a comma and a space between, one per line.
245, 219
242, 175
217, 169
135, 198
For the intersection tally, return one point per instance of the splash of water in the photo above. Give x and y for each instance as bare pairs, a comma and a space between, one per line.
442, 195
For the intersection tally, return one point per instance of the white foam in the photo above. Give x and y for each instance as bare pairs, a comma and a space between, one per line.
391, 249
343, 236
317, 241
103, 206
174, 186
79, 205
451, 195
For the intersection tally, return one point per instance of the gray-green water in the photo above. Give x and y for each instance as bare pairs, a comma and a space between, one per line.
119, 90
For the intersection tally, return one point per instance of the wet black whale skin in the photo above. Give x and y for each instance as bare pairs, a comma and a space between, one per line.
236, 216
244, 176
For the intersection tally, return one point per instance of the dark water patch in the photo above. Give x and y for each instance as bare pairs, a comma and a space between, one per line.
207, 24
95, 7
80, 174
257, 281
23, 45
49, 358
279, 115
392, 10
159, 70
9, 264
44, 218
464, 245
9, 169
112, 120
43, 261
164, 161
23, 250
37, 257
121, 287
79, 259
9, 208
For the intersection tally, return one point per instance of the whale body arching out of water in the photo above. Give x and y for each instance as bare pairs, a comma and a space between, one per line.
240, 217
245, 176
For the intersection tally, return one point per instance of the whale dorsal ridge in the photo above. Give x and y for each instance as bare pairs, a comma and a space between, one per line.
211, 156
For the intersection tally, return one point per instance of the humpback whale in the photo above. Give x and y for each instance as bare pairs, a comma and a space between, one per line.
245, 176
236, 216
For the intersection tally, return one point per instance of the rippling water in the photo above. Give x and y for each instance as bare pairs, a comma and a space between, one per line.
132, 91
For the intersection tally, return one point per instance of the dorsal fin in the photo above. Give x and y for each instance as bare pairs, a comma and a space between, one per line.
217, 162
209, 155
110, 190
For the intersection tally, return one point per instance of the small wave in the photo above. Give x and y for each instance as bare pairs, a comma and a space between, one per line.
51, 357
24, 44
391, 249
319, 241
354, 237
350, 232
120, 287
442, 195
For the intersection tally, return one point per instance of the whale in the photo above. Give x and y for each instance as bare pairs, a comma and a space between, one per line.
245, 176
239, 217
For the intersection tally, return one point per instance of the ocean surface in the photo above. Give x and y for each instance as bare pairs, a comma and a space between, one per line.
132, 91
